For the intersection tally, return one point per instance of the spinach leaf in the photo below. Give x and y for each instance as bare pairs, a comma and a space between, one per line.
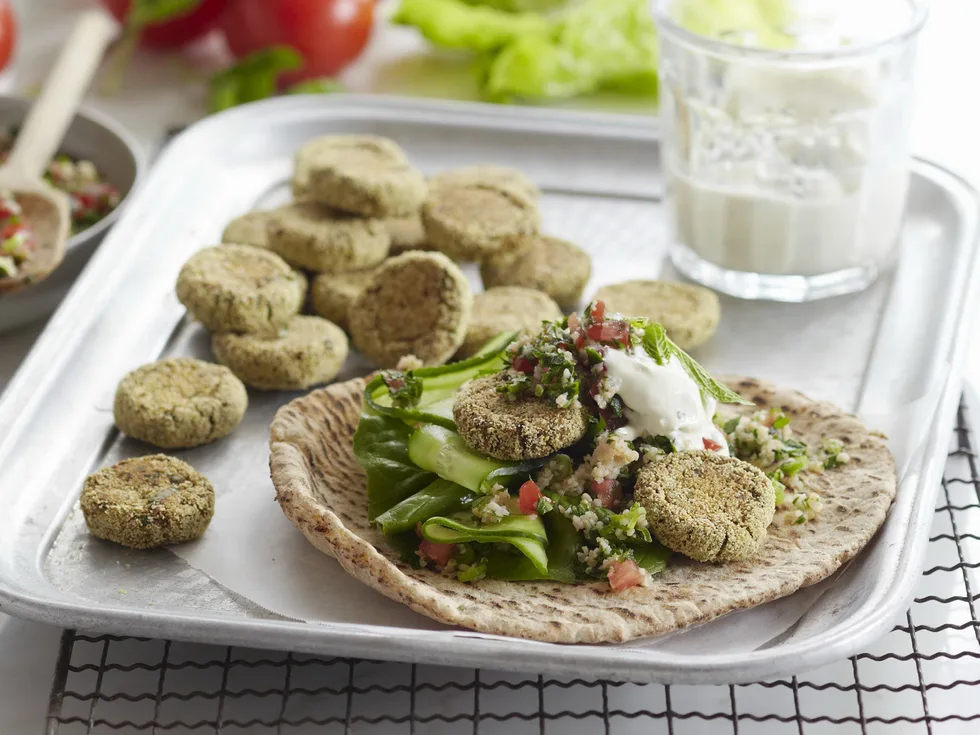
381, 446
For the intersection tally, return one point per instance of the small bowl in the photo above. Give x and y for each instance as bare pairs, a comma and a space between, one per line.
119, 159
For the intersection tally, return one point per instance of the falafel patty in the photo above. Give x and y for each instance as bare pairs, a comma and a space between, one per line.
306, 154
148, 502
179, 402
312, 236
506, 309
407, 233
557, 267
416, 303
689, 313
331, 294
367, 176
249, 229
479, 222
239, 288
490, 175
309, 351
494, 424
705, 506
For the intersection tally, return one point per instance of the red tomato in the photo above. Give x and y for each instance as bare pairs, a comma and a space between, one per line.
617, 331
182, 29
598, 311
8, 33
624, 574
438, 554
530, 495
711, 445
574, 322
328, 33
607, 491
523, 365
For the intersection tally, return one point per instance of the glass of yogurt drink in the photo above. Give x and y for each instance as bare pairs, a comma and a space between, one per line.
786, 140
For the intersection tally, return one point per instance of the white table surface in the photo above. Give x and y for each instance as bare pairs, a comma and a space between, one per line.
159, 94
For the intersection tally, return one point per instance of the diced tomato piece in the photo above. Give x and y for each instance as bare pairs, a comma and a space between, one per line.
523, 365
438, 554
607, 491
598, 312
711, 445
530, 495
595, 332
574, 322
579, 339
617, 331
624, 574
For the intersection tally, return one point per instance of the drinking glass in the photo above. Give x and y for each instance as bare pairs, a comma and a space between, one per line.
786, 140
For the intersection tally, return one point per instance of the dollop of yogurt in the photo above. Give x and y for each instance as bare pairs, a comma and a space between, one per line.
663, 400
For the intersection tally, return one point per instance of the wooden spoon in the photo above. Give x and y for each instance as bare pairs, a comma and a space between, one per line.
47, 210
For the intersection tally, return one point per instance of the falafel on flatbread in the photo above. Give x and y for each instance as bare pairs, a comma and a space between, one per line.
321, 488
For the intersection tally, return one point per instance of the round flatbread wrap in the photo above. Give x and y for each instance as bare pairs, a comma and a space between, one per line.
321, 489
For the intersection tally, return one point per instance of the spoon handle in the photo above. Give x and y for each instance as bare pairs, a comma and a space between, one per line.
53, 111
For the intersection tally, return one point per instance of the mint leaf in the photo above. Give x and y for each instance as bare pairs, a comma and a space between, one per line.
149, 12
705, 382
253, 78
656, 343
324, 85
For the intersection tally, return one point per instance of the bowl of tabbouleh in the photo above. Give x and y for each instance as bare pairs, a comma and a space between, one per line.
97, 165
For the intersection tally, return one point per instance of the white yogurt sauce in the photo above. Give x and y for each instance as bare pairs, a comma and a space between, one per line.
662, 400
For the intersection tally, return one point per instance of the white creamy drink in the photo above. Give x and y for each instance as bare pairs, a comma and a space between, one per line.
801, 204
786, 140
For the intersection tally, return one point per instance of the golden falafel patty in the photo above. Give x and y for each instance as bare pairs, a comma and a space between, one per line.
705, 506
416, 303
506, 309
307, 153
559, 268
148, 502
312, 236
249, 229
479, 222
407, 233
331, 294
689, 313
179, 402
498, 426
239, 288
489, 175
309, 351
363, 175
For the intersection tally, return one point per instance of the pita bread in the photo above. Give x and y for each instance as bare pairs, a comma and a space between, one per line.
321, 488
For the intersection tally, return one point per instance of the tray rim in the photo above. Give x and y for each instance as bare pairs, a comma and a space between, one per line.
468, 648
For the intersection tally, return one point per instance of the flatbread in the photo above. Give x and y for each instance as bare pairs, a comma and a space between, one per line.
321, 488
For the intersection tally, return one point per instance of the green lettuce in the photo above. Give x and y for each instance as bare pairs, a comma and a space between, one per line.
452, 24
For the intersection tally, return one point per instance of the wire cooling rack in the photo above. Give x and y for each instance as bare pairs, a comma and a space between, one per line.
923, 677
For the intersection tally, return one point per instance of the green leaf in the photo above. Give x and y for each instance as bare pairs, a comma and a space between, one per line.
453, 24
436, 499
381, 446
325, 85
656, 344
652, 557
594, 45
150, 12
525, 533
253, 78
706, 383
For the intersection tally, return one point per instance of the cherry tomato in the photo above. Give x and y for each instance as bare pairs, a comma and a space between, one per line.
529, 497
8, 33
438, 554
179, 31
624, 574
328, 33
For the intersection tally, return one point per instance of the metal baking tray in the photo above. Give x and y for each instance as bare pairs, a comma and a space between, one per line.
901, 342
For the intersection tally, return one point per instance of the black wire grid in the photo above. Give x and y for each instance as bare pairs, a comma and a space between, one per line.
924, 677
